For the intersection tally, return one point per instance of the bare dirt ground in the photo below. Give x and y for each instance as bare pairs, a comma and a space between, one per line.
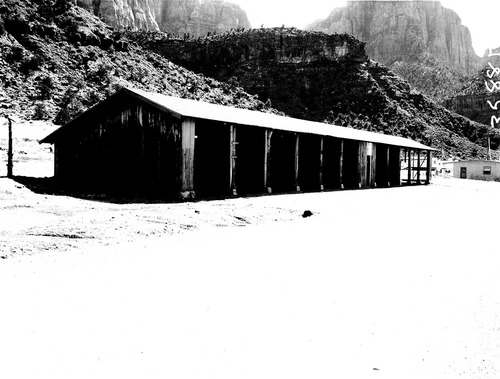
388, 283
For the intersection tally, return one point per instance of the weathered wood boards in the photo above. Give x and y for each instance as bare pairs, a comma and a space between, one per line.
187, 159
232, 159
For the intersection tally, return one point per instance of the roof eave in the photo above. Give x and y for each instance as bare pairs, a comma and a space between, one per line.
53, 136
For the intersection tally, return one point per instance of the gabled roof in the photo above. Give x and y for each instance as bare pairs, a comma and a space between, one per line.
201, 110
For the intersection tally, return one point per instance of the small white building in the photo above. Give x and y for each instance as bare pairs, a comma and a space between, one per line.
473, 169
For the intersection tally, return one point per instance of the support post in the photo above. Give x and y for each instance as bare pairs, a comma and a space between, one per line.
409, 166
232, 160
267, 160
56, 160
321, 145
373, 165
388, 165
362, 164
418, 168
187, 159
397, 177
10, 153
297, 138
429, 167
341, 164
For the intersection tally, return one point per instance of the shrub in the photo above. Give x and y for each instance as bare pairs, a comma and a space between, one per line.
71, 106
46, 87
16, 54
32, 63
100, 73
69, 111
93, 97
41, 111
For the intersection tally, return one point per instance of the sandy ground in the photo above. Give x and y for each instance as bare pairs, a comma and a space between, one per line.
393, 283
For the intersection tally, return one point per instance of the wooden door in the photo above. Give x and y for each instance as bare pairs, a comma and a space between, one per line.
463, 172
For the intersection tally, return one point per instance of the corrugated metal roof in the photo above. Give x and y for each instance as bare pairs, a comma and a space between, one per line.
203, 110
198, 109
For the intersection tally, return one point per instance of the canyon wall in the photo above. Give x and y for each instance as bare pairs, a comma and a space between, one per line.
174, 16
404, 30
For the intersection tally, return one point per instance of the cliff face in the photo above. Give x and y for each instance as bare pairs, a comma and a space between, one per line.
421, 41
272, 63
248, 55
175, 16
121, 14
216, 15
403, 30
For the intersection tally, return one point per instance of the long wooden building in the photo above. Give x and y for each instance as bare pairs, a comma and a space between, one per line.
173, 147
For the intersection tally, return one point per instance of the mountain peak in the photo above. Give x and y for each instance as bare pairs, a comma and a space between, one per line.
398, 31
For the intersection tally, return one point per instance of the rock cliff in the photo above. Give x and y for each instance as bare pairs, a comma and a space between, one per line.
215, 16
174, 16
403, 30
124, 14
417, 39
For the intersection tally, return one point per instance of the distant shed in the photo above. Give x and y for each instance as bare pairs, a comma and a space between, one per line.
478, 169
142, 141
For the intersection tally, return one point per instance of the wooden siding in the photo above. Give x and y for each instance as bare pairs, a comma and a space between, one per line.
187, 158
129, 147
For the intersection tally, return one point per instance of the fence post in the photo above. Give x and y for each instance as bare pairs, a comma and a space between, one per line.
9, 151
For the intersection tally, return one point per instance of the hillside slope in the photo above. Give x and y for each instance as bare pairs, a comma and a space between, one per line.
323, 77
56, 60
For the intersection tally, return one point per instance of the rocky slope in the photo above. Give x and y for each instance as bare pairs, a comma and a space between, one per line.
321, 77
56, 60
417, 39
193, 17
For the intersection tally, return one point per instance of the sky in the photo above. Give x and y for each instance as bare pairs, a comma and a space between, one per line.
480, 16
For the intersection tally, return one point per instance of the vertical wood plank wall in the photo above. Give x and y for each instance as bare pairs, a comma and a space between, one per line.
297, 142
341, 165
362, 164
373, 165
388, 167
187, 158
321, 162
267, 161
395, 166
232, 159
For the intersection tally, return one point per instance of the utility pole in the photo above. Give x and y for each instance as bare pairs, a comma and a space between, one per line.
489, 149
9, 152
